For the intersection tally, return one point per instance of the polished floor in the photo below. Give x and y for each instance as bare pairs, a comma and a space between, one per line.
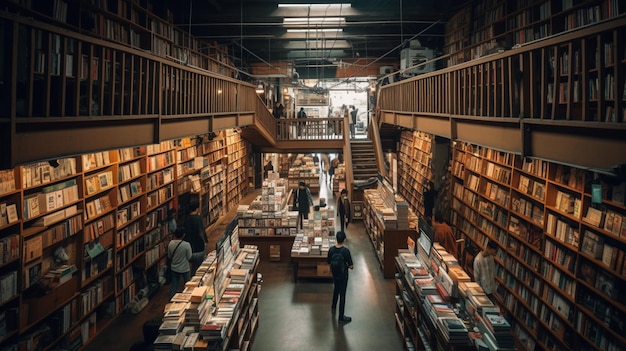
297, 315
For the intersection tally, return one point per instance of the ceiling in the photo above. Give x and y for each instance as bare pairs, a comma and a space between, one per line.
255, 31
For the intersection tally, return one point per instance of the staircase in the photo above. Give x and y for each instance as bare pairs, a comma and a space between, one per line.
364, 164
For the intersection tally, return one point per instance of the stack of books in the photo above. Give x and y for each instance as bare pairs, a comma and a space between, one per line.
171, 327
238, 275
164, 342
496, 331
425, 286
402, 209
453, 330
436, 308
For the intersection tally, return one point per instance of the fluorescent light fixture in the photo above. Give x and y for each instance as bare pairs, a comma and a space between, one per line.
343, 6
314, 30
314, 20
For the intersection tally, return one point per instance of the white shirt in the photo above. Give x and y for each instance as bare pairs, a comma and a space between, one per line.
485, 272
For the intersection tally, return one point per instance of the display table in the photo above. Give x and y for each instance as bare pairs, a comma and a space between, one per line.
310, 267
309, 256
266, 243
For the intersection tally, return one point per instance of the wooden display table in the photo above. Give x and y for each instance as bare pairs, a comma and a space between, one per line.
310, 266
264, 243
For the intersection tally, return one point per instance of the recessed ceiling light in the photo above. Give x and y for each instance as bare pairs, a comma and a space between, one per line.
314, 30
314, 20
343, 6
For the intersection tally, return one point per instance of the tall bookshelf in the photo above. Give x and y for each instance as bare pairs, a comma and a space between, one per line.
237, 161
136, 24
415, 170
492, 25
105, 211
560, 263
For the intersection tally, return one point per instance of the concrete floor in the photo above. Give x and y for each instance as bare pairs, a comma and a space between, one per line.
297, 315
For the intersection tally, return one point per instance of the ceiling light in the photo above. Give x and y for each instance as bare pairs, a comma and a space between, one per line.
343, 6
314, 20
313, 30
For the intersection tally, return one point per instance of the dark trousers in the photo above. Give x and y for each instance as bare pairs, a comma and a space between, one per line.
339, 291
175, 281
344, 224
301, 217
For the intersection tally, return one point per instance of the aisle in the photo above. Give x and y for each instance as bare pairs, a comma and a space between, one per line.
297, 316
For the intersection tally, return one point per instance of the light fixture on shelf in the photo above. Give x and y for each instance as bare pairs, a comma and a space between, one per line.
260, 89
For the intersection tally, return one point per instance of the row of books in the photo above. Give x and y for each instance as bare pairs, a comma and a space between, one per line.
199, 317
7, 181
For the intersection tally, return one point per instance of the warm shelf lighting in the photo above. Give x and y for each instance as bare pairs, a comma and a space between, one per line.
330, 6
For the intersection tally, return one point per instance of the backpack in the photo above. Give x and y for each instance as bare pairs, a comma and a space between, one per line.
338, 264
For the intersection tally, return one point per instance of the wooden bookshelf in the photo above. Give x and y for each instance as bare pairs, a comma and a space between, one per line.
106, 210
491, 26
385, 236
237, 158
415, 169
561, 259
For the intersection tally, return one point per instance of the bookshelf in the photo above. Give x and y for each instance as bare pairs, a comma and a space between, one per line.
218, 309
305, 169
96, 63
105, 211
237, 161
489, 26
267, 221
384, 224
415, 170
561, 258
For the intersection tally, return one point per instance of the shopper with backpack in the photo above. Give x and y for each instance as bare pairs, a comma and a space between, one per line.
340, 261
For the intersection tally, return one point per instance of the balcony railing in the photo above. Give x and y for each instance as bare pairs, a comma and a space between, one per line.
562, 98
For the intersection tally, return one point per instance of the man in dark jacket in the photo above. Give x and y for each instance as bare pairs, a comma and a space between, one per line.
343, 209
340, 254
302, 202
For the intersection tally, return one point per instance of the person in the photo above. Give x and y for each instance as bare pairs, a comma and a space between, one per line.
301, 114
343, 209
302, 201
340, 276
331, 170
278, 110
171, 220
196, 236
269, 167
325, 164
353, 115
179, 253
429, 201
485, 269
444, 236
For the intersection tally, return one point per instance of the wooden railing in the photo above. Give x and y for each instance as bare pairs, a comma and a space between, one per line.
310, 129
537, 100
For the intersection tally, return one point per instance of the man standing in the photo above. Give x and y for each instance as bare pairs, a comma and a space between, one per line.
301, 124
179, 253
340, 261
302, 201
196, 235
353, 115
443, 235
343, 209
485, 269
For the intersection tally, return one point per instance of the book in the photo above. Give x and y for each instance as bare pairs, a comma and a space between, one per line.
11, 211
592, 244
